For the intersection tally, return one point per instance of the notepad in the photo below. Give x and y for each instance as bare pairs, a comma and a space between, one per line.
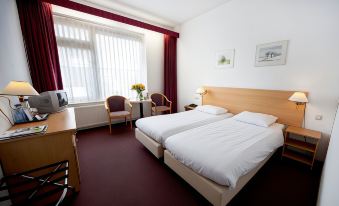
22, 132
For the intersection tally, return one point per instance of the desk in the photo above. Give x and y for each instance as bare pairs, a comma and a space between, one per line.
57, 144
141, 105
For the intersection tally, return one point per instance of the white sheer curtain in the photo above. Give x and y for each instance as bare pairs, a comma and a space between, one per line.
98, 61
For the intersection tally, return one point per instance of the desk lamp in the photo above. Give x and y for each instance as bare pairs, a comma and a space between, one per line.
20, 89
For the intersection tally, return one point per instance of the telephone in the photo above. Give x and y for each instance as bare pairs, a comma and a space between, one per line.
192, 105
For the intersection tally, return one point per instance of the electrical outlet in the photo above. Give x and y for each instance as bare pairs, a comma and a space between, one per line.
318, 117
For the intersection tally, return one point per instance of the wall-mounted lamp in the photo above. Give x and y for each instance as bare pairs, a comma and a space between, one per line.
201, 91
300, 99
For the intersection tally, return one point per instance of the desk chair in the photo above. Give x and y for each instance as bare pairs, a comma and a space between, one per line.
160, 103
115, 106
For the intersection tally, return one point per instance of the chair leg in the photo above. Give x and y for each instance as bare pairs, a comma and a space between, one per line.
125, 120
110, 126
130, 120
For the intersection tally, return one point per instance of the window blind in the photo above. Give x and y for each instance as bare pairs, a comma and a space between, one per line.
97, 61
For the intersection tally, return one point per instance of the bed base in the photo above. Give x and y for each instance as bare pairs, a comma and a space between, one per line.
216, 194
154, 147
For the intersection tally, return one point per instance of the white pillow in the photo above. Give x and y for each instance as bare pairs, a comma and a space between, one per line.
259, 119
211, 109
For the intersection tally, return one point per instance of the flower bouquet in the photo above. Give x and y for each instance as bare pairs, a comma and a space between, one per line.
139, 88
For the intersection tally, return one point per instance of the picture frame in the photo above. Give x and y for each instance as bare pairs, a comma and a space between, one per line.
225, 58
271, 54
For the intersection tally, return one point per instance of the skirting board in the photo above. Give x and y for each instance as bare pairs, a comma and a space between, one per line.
153, 146
216, 194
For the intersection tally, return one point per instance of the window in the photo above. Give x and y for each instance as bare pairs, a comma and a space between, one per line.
97, 61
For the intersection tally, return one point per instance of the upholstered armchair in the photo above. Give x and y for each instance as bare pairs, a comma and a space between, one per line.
115, 106
160, 104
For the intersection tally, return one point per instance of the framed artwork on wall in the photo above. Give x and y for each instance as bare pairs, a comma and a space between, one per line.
271, 54
225, 59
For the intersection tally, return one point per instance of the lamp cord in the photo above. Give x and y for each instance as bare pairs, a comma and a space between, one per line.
9, 103
6, 117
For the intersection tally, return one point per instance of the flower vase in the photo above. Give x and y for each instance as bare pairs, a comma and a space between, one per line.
140, 96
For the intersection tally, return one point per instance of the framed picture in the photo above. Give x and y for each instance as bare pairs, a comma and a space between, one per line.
225, 59
271, 54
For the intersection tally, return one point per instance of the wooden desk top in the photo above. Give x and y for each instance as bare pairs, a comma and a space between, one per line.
59, 122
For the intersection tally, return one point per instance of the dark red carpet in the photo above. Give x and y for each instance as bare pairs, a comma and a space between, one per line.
117, 170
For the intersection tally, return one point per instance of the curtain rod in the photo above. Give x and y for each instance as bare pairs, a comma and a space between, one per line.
108, 15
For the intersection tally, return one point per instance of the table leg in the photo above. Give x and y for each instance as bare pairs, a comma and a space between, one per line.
141, 110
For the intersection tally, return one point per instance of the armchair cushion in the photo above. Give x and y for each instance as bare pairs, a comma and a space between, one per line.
119, 114
161, 108
116, 103
158, 99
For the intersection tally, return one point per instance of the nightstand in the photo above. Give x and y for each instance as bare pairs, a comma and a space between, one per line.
304, 147
189, 107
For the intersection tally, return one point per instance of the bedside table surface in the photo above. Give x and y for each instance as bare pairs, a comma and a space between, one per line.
304, 132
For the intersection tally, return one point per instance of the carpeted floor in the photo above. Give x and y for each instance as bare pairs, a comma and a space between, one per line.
117, 170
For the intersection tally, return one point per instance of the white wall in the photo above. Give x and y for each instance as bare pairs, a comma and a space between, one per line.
312, 60
329, 185
13, 64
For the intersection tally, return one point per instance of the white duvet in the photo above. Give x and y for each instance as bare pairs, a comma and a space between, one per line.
225, 150
161, 127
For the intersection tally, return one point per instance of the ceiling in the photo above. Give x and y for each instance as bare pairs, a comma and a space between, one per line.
168, 12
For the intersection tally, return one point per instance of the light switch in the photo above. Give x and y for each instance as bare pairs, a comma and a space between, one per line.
318, 117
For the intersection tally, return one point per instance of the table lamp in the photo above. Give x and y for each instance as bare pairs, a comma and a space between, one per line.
20, 89
300, 99
201, 91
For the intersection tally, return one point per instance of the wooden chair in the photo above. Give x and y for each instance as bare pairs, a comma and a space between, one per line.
160, 103
115, 106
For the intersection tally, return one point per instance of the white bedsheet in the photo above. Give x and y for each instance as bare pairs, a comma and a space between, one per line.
161, 127
225, 150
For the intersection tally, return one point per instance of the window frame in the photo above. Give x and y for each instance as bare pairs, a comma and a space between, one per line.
96, 28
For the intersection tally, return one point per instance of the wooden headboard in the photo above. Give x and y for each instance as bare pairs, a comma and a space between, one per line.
272, 102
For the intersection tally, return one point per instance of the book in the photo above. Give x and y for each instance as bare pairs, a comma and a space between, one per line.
22, 132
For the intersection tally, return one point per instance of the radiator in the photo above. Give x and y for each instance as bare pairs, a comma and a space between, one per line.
96, 115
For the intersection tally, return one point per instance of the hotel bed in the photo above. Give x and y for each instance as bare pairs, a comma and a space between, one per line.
153, 131
219, 159
225, 150
226, 154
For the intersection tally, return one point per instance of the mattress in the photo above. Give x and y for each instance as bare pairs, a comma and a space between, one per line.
160, 127
224, 151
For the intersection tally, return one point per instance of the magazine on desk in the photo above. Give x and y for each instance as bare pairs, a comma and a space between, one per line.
22, 132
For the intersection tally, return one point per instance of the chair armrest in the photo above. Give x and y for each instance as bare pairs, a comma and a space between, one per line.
106, 106
130, 106
167, 100
154, 104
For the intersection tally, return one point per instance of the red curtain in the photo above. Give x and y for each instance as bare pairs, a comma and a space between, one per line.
170, 70
108, 15
37, 28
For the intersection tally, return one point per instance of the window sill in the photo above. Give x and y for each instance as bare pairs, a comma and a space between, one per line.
86, 104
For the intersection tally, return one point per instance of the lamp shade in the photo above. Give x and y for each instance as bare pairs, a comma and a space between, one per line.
201, 91
19, 88
298, 97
